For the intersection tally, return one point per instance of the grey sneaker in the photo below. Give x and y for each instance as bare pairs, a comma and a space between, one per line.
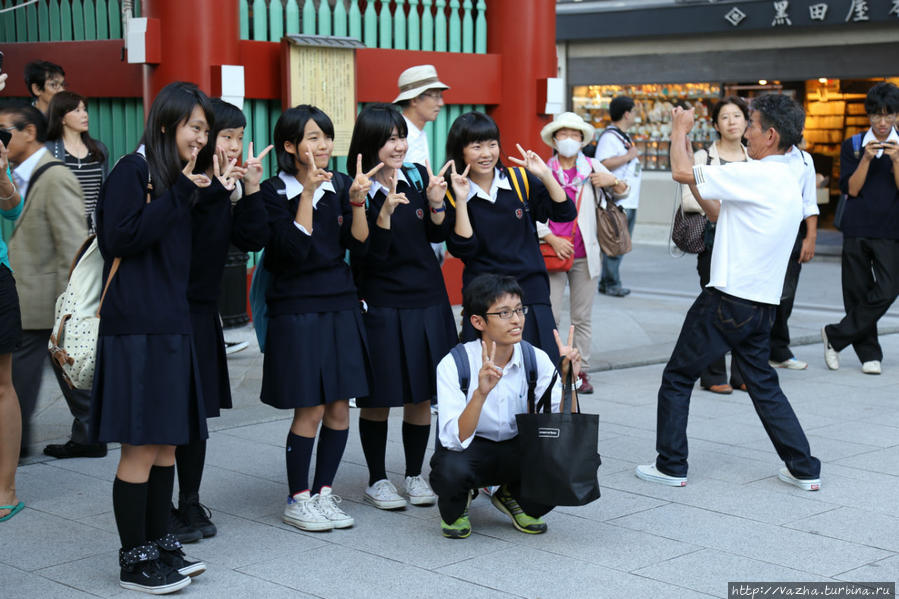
419, 491
650, 473
806, 484
327, 504
831, 356
383, 495
871, 367
302, 511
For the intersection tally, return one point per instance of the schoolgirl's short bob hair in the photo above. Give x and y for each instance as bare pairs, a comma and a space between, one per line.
469, 128
172, 106
227, 116
374, 126
291, 126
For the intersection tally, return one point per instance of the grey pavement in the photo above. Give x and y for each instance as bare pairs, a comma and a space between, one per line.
733, 522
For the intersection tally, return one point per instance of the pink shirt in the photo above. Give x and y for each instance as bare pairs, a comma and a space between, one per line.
564, 229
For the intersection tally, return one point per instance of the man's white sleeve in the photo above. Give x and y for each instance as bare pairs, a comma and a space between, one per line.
450, 404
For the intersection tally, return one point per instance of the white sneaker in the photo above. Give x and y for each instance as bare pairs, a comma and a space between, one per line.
806, 484
419, 491
383, 495
871, 367
648, 472
302, 511
791, 364
352, 402
232, 347
326, 502
831, 356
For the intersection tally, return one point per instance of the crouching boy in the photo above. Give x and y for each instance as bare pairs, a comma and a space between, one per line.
477, 433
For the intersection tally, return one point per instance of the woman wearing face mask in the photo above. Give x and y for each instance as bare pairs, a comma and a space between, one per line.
579, 176
729, 117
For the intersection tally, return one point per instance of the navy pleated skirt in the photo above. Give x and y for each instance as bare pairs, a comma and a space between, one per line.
538, 330
405, 346
10, 316
313, 359
211, 361
146, 391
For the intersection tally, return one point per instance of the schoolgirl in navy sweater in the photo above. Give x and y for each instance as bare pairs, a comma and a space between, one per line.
493, 230
146, 392
409, 321
222, 215
315, 349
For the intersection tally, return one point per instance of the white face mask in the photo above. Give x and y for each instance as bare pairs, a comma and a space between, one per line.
568, 147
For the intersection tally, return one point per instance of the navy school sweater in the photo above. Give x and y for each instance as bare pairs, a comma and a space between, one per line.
874, 213
505, 238
215, 225
309, 273
400, 269
148, 294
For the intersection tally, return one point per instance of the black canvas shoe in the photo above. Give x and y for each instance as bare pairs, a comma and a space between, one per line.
171, 554
196, 514
142, 570
181, 528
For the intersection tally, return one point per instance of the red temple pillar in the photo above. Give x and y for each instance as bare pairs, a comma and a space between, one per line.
195, 36
524, 33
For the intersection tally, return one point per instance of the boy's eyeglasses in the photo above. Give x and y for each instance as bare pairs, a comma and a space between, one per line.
507, 314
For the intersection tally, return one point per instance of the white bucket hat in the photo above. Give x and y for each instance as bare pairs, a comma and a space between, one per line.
416, 80
567, 120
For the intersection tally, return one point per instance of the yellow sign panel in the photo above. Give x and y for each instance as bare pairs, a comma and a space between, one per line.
321, 71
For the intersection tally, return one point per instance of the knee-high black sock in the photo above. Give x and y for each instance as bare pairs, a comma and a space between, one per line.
299, 454
159, 500
129, 504
190, 459
415, 442
331, 444
373, 434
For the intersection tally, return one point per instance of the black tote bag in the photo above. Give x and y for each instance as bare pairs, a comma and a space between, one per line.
559, 457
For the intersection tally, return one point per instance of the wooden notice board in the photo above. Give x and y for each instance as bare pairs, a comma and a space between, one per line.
321, 70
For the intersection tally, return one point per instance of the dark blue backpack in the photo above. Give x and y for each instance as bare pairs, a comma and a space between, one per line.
841, 206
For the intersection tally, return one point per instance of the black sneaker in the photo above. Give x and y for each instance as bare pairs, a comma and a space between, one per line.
171, 554
142, 570
183, 531
196, 514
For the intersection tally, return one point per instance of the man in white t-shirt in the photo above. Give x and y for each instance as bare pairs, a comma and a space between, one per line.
761, 207
420, 98
617, 152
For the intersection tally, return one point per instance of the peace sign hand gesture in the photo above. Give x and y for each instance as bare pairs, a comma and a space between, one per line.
362, 183
315, 176
490, 373
461, 184
436, 184
531, 161
200, 180
394, 199
227, 177
571, 357
254, 170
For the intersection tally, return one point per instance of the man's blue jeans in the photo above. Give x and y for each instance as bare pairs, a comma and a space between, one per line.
715, 323
609, 277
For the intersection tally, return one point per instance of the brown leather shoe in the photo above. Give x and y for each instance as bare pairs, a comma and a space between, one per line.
723, 389
742, 387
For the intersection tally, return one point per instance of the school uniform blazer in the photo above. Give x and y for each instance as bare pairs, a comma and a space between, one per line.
47, 236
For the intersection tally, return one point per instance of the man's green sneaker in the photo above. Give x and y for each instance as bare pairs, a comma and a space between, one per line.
505, 503
460, 529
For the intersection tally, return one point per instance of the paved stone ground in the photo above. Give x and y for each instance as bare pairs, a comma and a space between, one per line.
734, 521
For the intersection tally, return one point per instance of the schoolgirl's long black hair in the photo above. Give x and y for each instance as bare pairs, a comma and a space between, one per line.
171, 107
374, 126
62, 104
468, 128
291, 126
227, 116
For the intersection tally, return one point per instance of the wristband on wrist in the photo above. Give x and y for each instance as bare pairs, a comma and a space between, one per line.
438, 210
358, 204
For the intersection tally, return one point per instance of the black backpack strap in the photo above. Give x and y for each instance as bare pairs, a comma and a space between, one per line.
460, 356
37, 173
529, 358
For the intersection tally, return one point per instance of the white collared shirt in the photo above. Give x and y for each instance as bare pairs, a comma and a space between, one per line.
376, 186
611, 145
418, 150
22, 173
500, 181
293, 188
508, 398
805, 170
761, 206
869, 137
